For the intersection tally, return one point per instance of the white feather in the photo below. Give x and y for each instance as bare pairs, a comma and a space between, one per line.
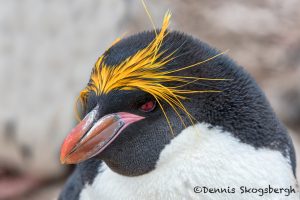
199, 156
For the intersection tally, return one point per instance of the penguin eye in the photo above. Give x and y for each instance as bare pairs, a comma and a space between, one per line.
148, 106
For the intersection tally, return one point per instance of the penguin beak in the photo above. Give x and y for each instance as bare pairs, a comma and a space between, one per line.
92, 136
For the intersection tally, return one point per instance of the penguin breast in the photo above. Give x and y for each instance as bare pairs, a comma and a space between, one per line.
203, 156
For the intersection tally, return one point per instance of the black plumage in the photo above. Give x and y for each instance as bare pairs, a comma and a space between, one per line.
241, 109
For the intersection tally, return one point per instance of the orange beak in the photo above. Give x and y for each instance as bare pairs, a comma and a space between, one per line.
92, 136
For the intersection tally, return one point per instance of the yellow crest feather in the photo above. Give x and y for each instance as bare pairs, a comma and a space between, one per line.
145, 71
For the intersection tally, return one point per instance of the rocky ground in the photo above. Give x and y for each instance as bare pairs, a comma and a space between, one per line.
47, 50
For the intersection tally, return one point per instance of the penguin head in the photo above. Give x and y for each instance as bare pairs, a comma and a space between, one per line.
145, 89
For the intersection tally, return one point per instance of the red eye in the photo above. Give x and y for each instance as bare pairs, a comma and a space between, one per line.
148, 106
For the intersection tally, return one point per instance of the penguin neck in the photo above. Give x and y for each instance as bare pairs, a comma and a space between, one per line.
130, 168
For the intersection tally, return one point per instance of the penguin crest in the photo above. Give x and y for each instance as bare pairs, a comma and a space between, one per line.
146, 71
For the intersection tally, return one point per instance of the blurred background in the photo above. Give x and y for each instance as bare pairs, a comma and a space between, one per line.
48, 48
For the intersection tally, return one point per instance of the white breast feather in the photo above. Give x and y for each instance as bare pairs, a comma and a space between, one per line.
199, 156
